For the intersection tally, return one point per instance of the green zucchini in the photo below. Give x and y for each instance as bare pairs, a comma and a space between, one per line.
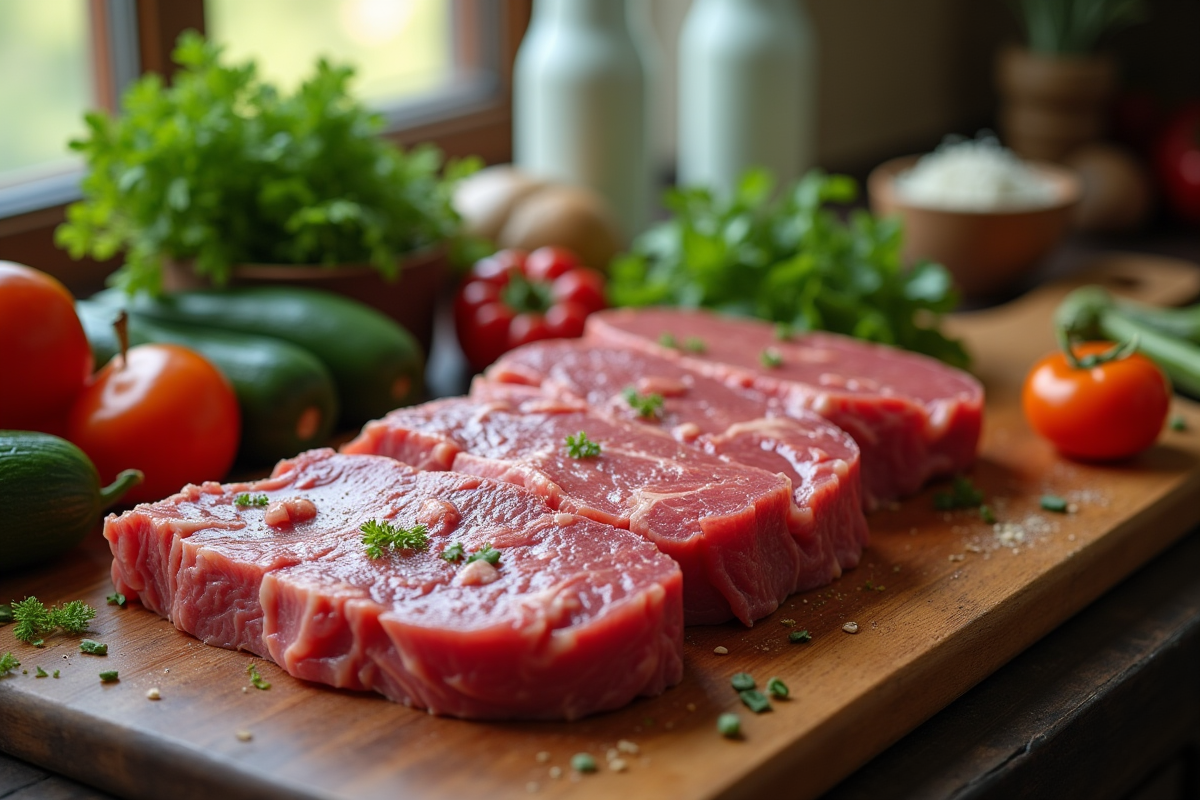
287, 397
376, 364
50, 497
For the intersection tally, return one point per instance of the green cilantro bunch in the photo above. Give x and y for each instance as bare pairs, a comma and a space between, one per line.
221, 168
794, 261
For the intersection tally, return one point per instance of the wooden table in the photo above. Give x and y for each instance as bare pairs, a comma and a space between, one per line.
1029, 723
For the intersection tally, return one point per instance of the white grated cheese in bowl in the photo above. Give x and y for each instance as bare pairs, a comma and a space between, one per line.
974, 175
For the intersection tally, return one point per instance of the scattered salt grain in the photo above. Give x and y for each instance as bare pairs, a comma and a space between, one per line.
630, 748
612, 753
244, 736
556, 772
617, 764
956, 557
153, 694
850, 627
721, 650
543, 756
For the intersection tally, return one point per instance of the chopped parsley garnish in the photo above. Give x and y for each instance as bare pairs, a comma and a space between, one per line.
1052, 502
92, 647
454, 553
256, 680
245, 499
667, 340
379, 535
583, 762
109, 676
486, 553
41, 673
55, 673
116, 599
729, 726
6, 615
777, 688
647, 405
871, 587
580, 446
783, 332
771, 358
34, 620
962, 494
742, 681
8, 662
694, 344
985, 514
1178, 423
799, 636
755, 700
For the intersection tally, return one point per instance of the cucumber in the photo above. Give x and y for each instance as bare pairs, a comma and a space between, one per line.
376, 364
287, 397
50, 497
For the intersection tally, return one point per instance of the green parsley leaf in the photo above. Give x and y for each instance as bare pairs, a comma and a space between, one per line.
729, 726
962, 494
986, 514
667, 340
245, 499
73, 617
771, 358
6, 613
8, 662
486, 553
755, 700
109, 676
742, 681
777, 688
92, 647
580, 446
694, 344
116, 599
41, 673
56, 673
799, 637
256, 679
379, 535
647, 405
454, 553
583, 762
33, 619
1178, 423
1052, 502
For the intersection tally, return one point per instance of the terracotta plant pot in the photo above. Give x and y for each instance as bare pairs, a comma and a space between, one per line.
410, 299
1052, 104
986, 252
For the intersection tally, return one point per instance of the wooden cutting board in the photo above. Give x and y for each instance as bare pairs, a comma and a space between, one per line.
941, 600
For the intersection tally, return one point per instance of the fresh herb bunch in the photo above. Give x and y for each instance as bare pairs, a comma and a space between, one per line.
793, 261
1074, 27
34, 620
222, 168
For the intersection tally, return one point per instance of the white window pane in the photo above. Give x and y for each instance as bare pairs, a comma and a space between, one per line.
400, 48
45, 85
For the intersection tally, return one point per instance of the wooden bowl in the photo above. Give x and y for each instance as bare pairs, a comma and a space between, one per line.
985, 251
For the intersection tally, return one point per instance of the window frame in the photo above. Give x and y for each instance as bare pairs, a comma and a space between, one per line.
473, 118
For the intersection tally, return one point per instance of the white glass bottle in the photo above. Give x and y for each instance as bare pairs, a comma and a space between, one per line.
579, 104
747, 92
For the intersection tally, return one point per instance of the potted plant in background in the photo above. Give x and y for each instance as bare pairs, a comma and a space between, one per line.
1055, 91
222, 179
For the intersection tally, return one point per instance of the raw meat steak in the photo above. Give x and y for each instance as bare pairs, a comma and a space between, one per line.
728, 526
913, 417
577, 616
744, 425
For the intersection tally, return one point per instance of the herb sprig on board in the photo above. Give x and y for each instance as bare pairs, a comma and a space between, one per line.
35, 621
377, 536
793, 261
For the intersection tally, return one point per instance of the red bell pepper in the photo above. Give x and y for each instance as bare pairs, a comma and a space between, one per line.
510, 299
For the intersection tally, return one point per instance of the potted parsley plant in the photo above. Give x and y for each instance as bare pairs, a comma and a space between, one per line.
220, 178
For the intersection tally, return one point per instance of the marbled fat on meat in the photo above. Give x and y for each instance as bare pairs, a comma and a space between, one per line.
740, 424
728, 526
913, 417
579, 617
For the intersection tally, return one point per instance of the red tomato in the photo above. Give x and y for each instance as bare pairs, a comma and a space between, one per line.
162, 409
1177, 159
1101, 413
511, 299
44, 355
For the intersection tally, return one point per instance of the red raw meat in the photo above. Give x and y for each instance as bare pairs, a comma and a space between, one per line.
913, 417
578, 617
744, 425
728, 526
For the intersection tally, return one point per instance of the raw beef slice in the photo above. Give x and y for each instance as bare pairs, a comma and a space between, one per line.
577, 616
728, 526
743, 425
913, 417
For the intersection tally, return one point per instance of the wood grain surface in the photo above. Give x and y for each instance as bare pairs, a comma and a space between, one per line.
941, 600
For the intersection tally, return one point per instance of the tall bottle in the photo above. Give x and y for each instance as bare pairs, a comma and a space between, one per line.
579, 104
747, 92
